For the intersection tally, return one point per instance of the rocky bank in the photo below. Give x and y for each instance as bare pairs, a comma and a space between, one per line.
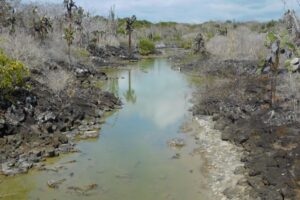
238, 100
38, 123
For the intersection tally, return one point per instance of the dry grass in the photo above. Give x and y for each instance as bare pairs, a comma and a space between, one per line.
240, 43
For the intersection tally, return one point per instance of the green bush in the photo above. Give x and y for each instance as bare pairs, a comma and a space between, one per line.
210, 35
186, 44
156, 38
82, 53
146, 47
12, 73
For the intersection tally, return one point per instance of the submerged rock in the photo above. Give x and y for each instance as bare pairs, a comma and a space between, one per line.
12, 168
176, 156
84, 189
55, 183
90, 135
176, 142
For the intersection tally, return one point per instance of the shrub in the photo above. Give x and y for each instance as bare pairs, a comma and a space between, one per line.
12, 73
156, 38
58, 81
187, 44
81, 53
146, 47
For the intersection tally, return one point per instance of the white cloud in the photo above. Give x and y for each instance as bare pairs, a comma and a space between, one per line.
191, 10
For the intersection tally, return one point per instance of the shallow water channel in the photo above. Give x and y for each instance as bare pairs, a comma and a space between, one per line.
131, 160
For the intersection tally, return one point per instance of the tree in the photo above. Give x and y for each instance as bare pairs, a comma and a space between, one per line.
129, 29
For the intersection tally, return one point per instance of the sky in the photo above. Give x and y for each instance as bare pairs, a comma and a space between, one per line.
190, 11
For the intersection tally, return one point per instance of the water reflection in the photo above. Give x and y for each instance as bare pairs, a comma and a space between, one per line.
130, 94
113, 86
161, 92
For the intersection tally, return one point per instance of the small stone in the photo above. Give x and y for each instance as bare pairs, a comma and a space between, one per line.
37, 153
63, 139
241, 138
215, 117
295, 61
254, 172
219, 125
225, 136
14, 116
239, 170
50, 153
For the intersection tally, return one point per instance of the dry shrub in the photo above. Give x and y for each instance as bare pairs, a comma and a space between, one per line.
57, 81
289, 89
56, 48
109, 40
241, 43
24, 48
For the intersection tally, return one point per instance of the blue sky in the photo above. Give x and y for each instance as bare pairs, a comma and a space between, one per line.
192, 11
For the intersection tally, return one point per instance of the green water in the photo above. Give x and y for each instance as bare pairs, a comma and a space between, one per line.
131, 160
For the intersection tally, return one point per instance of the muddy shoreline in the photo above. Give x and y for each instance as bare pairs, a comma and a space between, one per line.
238, 102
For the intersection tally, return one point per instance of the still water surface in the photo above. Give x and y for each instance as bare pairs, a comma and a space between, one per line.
131, 160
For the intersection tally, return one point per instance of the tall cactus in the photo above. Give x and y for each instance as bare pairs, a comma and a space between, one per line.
41, 25
276, 47
69, 32
12, 21
79, 16
129, 28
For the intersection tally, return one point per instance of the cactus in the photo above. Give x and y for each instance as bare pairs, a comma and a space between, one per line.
129, 28
69, 31
79, 16
41, 25
12, 21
